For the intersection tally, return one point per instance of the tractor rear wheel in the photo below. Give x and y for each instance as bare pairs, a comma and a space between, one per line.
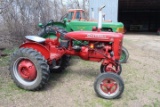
109, 85
50, 32
124, 55
29, 69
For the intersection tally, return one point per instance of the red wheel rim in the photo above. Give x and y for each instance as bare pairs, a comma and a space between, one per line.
109, 86
27, 70
112, 68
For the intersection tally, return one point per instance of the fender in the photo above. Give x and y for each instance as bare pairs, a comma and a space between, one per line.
60, 24
38, 47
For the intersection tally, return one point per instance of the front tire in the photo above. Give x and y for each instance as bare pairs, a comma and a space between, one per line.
29, 69
115, 69
109, 85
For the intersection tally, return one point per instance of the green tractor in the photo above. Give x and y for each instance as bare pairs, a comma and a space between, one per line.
75, 20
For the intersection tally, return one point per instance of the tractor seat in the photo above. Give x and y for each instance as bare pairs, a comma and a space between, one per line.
35, 38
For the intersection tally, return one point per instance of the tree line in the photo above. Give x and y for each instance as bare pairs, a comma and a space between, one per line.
21, 17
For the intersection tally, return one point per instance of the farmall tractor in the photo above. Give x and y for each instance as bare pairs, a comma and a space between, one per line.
30, 65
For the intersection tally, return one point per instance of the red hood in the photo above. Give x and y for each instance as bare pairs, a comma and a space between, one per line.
94, 35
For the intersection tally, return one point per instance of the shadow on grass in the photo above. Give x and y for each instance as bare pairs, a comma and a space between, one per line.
70, 74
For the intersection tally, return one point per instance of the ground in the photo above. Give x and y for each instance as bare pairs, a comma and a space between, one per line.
74, 87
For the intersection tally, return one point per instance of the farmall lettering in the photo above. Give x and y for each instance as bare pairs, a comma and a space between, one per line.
99, 36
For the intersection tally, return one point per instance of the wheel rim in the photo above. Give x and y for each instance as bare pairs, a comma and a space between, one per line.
25, 71
123, 56
109, 87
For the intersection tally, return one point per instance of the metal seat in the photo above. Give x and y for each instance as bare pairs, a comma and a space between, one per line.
35, 38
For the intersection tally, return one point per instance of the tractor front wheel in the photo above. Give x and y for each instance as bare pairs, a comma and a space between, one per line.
29, 69
111, 68
109, 85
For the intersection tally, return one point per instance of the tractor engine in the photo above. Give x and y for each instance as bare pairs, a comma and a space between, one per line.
94, 51
96, 46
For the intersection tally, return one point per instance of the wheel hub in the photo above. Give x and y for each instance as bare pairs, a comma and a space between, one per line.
27, 70
109, 86
111, 68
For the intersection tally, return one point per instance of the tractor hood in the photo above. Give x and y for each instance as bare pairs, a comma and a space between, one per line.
76, 25
95, 23
94, 36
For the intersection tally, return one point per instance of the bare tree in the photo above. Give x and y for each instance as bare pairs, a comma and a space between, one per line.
23, 15
20, 17
4, 4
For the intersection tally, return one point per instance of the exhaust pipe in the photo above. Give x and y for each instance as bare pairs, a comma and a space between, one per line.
92, 13
100, 18
103, 17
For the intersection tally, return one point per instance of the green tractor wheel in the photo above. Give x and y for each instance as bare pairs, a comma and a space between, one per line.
124, 55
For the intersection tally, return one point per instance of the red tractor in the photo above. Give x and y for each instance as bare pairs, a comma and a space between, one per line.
30, 65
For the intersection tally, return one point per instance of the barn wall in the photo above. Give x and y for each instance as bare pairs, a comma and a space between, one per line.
110, 11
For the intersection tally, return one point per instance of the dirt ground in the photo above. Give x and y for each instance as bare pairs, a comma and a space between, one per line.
74, 87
